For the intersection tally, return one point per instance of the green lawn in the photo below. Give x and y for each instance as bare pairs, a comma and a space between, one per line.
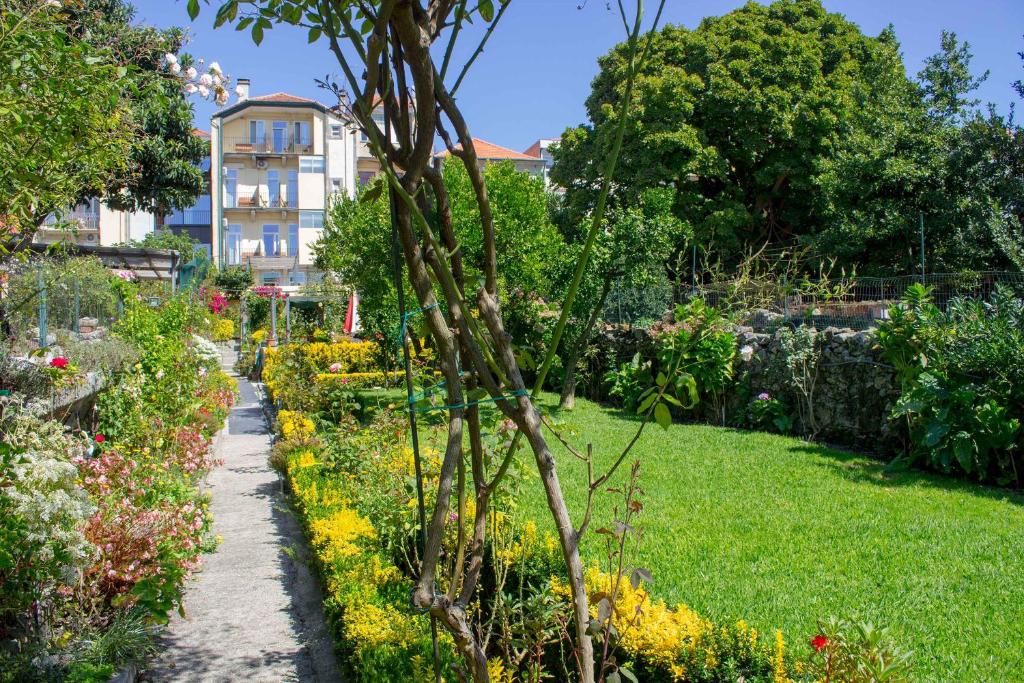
781, 533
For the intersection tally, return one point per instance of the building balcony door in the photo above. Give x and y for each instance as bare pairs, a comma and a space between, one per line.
279, 132
274, 187
231, 187
234, 245
271, 240
293, 239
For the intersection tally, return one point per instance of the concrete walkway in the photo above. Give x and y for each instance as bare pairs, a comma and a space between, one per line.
253, 613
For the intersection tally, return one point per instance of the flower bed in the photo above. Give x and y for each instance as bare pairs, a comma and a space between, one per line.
100, 528
352, 487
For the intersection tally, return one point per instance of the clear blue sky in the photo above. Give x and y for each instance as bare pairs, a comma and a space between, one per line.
535, 75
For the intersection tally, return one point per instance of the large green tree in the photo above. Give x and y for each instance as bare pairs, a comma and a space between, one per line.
356, 247
163, 165
65, 130
786, 124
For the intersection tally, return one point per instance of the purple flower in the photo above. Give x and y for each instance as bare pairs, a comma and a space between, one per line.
764, 396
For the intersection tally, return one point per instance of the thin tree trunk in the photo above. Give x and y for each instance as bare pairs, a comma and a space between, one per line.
568, 398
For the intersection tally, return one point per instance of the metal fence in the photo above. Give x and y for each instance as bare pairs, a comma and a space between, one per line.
766, 304
48, 301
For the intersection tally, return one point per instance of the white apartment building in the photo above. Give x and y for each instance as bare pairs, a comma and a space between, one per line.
542, 150
93, 223
276, 160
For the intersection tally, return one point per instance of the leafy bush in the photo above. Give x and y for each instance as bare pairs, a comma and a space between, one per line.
629, 381
223, 329
963, 382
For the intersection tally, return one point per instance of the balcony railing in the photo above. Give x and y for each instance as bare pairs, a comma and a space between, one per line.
259, 199
260, 261
74, 220
268, 145
188, 217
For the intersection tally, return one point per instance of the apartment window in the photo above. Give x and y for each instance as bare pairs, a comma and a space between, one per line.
311, 164
302, 136
311, 219
274, 187
293, 189
271, 240
336, 185
297, 277
234, 245
366, 177
257, 132
336, 130
231, 187
271, 278
279, 132
293, 239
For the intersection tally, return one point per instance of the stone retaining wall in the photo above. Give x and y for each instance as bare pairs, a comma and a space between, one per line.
855, 388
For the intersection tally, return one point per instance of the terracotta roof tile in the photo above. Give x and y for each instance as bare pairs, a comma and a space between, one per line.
488, 151
283, 97
200, 133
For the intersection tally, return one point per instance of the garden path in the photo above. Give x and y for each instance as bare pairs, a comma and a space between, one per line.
254, 612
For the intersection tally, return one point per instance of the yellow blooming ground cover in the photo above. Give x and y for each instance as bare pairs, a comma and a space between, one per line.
359, 510
299, 364
367, 596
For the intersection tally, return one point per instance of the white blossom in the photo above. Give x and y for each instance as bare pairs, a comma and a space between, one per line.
206, 79
191, 73
214, 68
174, 68
190, 88
170, 59
204, 91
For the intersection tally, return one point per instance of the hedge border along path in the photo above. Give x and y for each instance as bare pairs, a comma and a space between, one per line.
254, 612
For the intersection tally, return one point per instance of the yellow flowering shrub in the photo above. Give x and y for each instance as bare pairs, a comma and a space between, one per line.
350, 356
294, 425
260, 336
223, 329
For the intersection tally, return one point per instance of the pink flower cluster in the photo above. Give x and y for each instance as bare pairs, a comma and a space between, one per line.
218, 302
269, 292
192, 451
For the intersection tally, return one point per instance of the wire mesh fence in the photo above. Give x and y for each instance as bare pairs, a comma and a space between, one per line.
47, 300
768, 303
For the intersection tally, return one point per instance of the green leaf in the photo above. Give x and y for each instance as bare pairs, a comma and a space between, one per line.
486, 8
193, 9
314, 34
626, 673
257, 33
662, 415
372, 193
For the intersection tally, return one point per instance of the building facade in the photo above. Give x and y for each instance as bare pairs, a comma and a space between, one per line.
277, 161
542, 150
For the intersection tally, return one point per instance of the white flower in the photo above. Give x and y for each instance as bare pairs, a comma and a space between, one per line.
191, 73
170, 59
214, 68
53, 3
746, 353
191, 88
204, 91
221, 98
206, 79
174, 68
217, 80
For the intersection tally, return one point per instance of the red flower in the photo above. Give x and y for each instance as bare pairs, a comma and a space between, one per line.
819, 642
59, 362
100, 438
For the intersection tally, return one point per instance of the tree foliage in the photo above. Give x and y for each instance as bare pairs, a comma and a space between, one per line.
356, 242
784, 123
65, 130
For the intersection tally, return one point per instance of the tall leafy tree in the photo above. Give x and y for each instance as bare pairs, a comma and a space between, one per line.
65, 129
163, 165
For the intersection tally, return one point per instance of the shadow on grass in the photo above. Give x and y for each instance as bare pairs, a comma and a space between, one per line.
863, 469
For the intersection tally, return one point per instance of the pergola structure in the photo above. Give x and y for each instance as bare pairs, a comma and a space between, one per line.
146, 264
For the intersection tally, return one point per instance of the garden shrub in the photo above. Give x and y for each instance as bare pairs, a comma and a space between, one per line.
963, 382
223, 329
101, 529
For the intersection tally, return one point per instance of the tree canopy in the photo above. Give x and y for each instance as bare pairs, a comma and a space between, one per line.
356, 242
785, 124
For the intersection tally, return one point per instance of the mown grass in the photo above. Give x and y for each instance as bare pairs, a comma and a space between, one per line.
781, 532
746, 525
